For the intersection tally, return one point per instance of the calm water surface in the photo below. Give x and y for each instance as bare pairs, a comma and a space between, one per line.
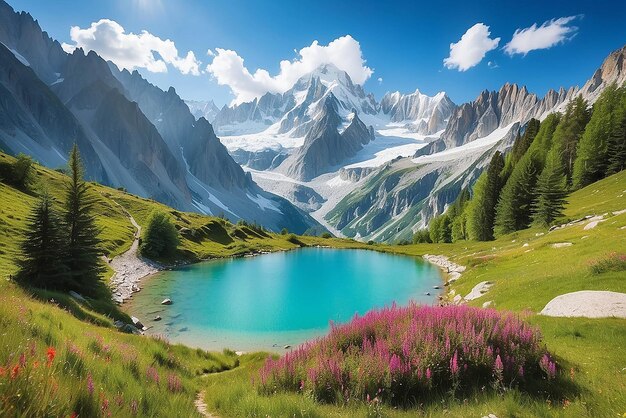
272, 300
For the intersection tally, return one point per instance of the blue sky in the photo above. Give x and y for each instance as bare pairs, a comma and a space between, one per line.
404, 43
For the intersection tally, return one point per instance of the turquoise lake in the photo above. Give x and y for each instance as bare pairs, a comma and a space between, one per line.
273, 300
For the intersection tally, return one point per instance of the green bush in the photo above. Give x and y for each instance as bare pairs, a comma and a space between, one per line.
326, 235
422, 236
284, 231
160, 238
22, 170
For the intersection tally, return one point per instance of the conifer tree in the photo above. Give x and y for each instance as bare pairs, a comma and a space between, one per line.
617, 149
83, 245
520, 146
551, 192
41, 264
592, 153
568, 133
513, 211
481, 211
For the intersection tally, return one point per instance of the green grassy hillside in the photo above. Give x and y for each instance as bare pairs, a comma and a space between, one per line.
97, 370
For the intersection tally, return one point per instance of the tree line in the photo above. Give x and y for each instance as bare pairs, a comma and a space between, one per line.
529, 184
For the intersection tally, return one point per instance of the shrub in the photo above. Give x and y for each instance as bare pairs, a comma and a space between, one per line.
402, 355
293, 238
284, 231
160, 238
22, 170
612, 262
326, 235
422, 236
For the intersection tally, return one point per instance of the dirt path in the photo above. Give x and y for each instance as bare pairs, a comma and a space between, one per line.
129, 267
201, 406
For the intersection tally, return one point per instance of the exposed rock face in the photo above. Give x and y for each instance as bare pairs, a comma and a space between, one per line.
209, 161
130, 132
324, 147
403, 196
266, 159
203, 109
295, 109
427, 114
492, 110
34, 120
304, 197
613, 70
20, 32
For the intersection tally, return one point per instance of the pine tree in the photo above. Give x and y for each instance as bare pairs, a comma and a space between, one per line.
568, 133
41, 264
543, 141
617, 149
520, 146
481, 211
513, 211
83, 246
551, 192
592, 153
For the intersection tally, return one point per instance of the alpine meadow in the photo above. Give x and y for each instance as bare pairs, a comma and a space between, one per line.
312, 209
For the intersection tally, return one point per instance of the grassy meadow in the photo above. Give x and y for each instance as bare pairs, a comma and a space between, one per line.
71, 359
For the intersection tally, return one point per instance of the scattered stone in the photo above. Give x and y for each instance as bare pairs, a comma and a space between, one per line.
427, 294
166, 302
487, 304
240, 353
619, 212
436, 287
157, 318
525, 244
585, 237
591, 225
562, 244
77, 296
588, 304
287, 347
457, 299
538, 234
136, 322
129, 267
490, 416
478, 290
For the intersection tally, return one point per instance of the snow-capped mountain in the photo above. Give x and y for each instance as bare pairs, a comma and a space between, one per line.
203, 109
403, 195
327, 128
423, 114
131, 133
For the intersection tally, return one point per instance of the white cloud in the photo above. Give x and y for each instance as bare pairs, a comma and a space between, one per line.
550, 33
228, 68
380, 80
210, 52
128, 50
492, 64
471, 48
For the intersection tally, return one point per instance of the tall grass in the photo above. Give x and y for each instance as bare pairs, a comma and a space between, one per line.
402, 355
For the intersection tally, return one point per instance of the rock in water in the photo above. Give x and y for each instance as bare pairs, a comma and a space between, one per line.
166, 302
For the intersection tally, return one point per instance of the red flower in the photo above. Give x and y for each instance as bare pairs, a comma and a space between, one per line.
50, 354
3, 371
15, 371
74, 415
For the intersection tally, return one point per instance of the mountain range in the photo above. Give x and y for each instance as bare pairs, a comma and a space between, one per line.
323, 155
382, 170
131, 133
